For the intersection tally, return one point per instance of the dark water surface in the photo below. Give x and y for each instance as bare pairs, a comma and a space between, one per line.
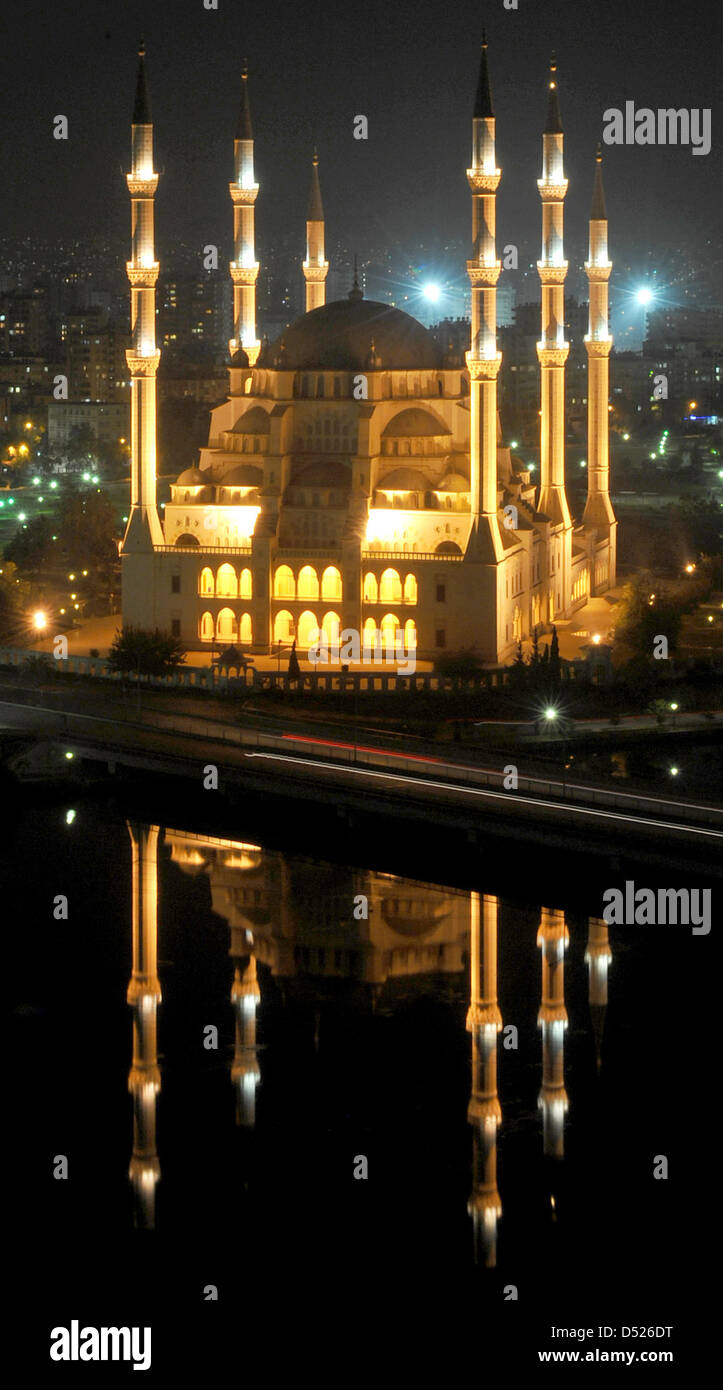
491, 1165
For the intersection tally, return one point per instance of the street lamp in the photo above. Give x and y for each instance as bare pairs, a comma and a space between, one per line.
40, 620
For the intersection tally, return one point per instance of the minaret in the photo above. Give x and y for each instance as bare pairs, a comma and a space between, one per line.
484, 1022
552, 349
144, 528
315, 267
598, 956
599, 514
144, 994
244, 266
553, 937
483, 359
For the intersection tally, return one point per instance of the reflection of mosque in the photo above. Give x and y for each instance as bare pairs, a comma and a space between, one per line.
320, 927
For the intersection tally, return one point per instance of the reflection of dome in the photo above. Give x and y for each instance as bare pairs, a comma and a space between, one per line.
255, 421
453, 482
242, 475
414, 422
413, 916
322, 475
404, 480
191, 477
338, 337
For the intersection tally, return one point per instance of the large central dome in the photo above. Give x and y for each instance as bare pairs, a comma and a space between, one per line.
339, 337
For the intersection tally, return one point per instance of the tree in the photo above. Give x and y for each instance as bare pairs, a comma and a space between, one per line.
147, 653
553, 665
641, 616
32, 546
87, 529
13, 604
294, 668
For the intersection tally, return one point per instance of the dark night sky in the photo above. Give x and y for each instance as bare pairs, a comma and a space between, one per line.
411, 68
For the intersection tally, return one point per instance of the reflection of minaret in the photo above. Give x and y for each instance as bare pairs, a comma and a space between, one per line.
315, 267
484, 1021
597, 958
245, 1073
553, 936
144, 994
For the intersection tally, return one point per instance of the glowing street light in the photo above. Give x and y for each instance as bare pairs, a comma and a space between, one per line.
674, 771
596, 638
432, 292
40, 620
644, 295
551, 713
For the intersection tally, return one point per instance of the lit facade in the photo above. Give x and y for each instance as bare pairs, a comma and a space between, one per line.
355, 477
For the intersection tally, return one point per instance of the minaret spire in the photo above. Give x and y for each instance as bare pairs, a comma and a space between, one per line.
483, 359
144, 528
552, 351
315, 267
244, 266
598, 514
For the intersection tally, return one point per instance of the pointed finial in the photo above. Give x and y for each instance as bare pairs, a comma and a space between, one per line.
141, 106
553, 124
597, 211
483, 109
243, 129
315, 209
356, 291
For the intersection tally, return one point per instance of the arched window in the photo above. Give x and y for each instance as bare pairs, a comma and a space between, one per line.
226, 626
410, 635
390, 587
205, 582
370, 591
244, 628
330, 627
283, 626
207, 627
410, 589
308, 631
245, 587
371, 639
331, 583
390, 627
226, 582
320, 387
284, 586
308, 584
186, 538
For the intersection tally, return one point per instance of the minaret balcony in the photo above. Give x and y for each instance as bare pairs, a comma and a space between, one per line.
243, 197
552, 192
244, 274
483, 368
143, 363
552, 274
597, 347
142, 188
142, 277
482, 276
484, 180
315, 274
598, 274
552, 355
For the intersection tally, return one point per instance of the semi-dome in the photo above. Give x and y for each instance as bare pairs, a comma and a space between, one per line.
242, 475
413, 421
191, 477
254, 421
322, 474
453, 482
338, 336
404, 480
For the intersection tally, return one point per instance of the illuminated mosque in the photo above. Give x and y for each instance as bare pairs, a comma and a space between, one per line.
354, 479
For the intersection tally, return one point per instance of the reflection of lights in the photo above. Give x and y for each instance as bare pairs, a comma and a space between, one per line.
40, 619
69, 817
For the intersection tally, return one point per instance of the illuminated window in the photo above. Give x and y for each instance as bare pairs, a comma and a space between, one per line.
284, 586
410, 635
308, 630
331, 624
283, 627
390, 587
390, 626
207, 627
244, 629
226, 626
308, 585
410, 589
245, 588
370, 591
330, 583
226, 582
